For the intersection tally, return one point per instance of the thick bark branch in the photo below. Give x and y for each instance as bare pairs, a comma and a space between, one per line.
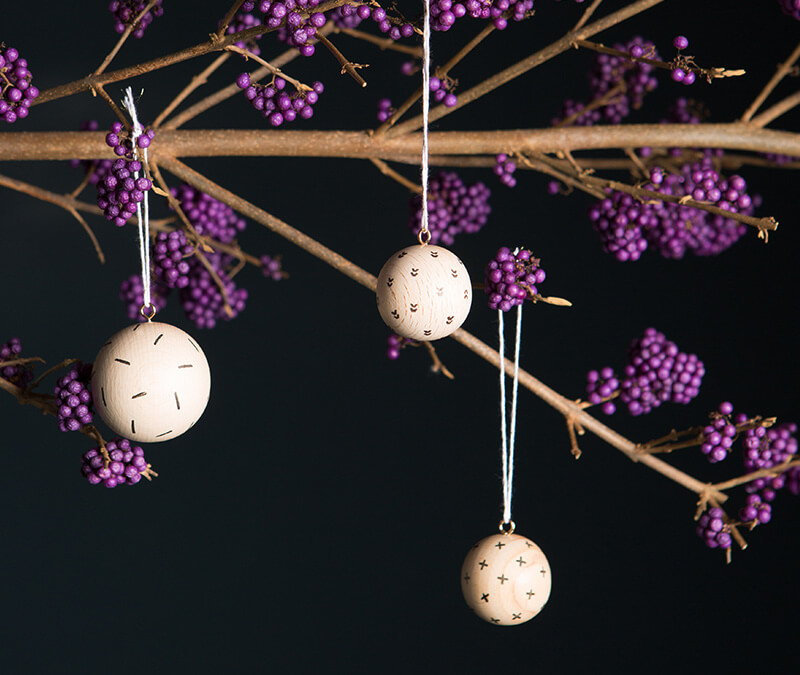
59, 145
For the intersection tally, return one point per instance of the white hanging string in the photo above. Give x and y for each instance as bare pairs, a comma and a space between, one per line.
143, 207
507, 440
426, 105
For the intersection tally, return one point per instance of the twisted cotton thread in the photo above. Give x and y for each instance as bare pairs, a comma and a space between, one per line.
426, 104
507, 440
143, 207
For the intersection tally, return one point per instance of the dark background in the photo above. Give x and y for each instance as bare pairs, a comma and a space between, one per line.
316, 518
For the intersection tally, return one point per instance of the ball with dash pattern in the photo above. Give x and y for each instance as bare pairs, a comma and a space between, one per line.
505, 579
150, 382
424, 292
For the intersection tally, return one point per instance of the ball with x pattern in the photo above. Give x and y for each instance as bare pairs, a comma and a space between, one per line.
150, 382
424, 292
505, 579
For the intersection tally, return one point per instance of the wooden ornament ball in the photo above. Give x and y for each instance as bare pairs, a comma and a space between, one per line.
424, 292
150, 382
505, 579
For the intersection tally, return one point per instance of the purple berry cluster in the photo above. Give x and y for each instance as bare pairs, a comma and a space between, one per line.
385, 109
445, 12
395, 343
791, 8
126, 11
504, 169
621, 81
126, 464
681, 72
120, 190
353, 16
209, 216
169, 259
132, 295
293, 28
765, 448
713, 530
719, 434
627, 226
755, 512
453, 207
271, 267
73, 393
202, 299
656, 372
242, 21
442, 91
511, 277
600, 385
17, 93
275, 104
19, 375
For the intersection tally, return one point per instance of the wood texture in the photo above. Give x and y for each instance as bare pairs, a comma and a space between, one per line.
150, 382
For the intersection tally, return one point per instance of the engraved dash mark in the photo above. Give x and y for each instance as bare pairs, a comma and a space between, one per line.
177, 402
159, 337
193, 344
186, 365
127, 363
107, 343
140, 394
136, 327
103, 396
133, 427
164, 434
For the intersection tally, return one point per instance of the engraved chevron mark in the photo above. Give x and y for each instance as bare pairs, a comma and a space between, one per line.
177, 402
449, 320
440, 290
164, 434
466, 294
140, 394
390, 281
413, 307
402, 253
454, 273
158, 338
427, 333
434, 254
395, 314
414, 271
127, 363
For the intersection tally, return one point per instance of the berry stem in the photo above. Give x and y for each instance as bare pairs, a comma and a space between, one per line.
761, 473
272, 69
123, 38
782, 71
58, 366
438, 366
604, 100
347, 66
587, 13
226, 20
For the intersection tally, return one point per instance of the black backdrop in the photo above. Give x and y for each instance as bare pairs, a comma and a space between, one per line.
316, 518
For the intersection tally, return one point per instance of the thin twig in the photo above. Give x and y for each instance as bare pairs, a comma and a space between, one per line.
89, 231
437, 366
266, 64
382, 43
774, 112
386, 170
197, 81
782, 71
347, 66
586, 15
122, 38
226, 20
58, 366
98, 89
